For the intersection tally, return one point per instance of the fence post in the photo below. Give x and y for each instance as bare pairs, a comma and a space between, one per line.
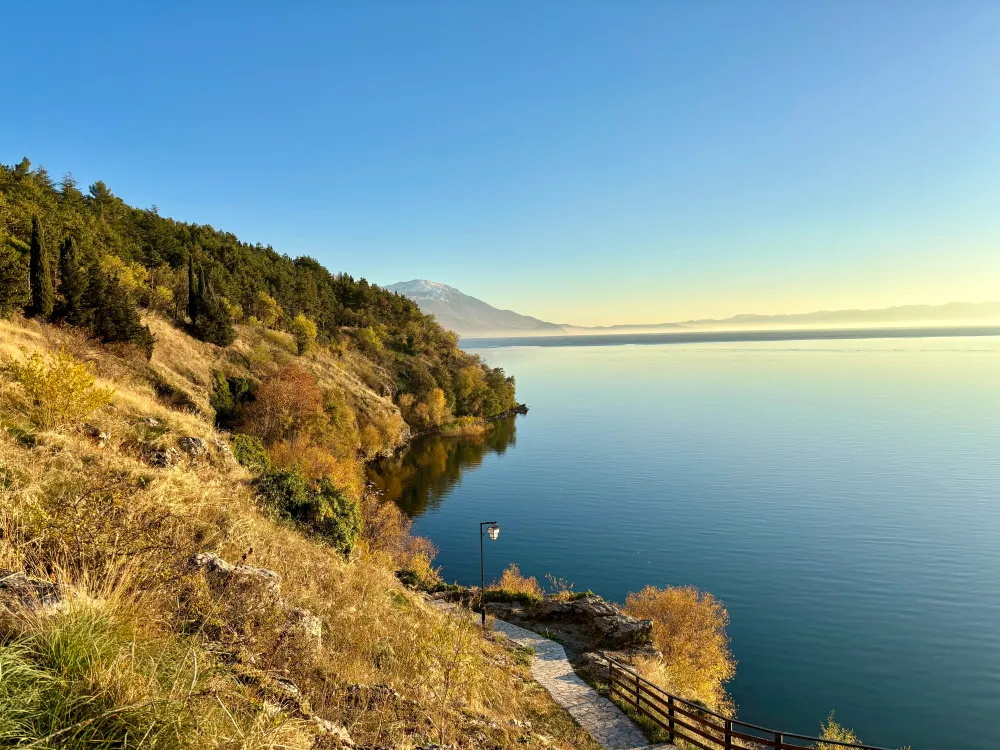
778, 741
611, 668
729, 734
670, 717
636, 691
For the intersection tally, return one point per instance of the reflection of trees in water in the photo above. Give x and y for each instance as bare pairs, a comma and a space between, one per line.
426, 472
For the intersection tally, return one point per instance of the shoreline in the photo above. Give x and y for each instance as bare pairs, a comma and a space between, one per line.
707, 337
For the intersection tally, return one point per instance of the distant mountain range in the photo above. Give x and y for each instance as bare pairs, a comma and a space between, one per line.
471, 317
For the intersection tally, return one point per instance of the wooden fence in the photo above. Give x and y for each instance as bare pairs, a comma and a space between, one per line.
699, 726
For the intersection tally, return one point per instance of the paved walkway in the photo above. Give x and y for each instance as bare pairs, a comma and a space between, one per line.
605, 722
595, 713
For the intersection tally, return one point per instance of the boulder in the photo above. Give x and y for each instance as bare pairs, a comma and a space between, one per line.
305, 622
195, 447
101, 436
161, 458
223, 451
20, 590
223, 571
150, 422
334, 734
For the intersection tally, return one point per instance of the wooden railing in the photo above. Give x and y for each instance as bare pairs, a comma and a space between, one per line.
699, 726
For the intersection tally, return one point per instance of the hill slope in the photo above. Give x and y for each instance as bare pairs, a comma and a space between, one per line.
204, 280
466, 315
154, 590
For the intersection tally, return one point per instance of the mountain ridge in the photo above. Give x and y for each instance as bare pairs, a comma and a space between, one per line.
470, 316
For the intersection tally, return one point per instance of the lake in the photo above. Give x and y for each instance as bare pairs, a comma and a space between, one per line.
842, 498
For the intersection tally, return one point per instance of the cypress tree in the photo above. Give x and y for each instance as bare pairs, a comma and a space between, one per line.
115, 319
192, 290
213, 322
13, 277
43, 298
72, 285
93, 299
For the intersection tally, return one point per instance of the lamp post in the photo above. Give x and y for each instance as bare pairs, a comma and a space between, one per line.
494, 531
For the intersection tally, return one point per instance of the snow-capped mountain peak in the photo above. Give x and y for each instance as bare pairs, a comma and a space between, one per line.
424, 289
467, 315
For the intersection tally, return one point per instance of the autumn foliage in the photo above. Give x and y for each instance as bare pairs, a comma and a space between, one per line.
689, 629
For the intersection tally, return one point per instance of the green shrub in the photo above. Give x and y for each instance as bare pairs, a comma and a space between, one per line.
221, 397
319, 506
227, 394
249, 451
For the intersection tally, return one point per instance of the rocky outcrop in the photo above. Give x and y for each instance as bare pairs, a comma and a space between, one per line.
195, 447
18, 590
306, 623
586, 624
516, 409
606, 626
225, 572
157, 457
223, 451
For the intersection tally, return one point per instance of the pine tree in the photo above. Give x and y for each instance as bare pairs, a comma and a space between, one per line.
72, 285
43, 297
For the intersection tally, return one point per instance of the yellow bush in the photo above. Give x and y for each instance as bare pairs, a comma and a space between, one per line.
689, 628
267, 310
62, 389
235, 311
132, 276
513, 582
161, 299
304, 331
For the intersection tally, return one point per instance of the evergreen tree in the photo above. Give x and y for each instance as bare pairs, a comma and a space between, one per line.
211, 320
13, 277
213, 323
43, 297
72, 285
115, 319
93, 298
192, 290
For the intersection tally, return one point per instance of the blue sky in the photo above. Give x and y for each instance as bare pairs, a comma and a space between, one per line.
583, 162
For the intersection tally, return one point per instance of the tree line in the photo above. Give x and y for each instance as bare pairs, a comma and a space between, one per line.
91, 260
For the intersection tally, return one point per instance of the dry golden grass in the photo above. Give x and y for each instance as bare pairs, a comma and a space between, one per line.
513, 582
391, 668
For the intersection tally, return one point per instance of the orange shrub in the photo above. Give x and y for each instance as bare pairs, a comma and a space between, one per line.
288, 404
315, 462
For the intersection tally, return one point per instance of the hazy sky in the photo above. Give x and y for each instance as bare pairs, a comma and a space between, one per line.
582, 162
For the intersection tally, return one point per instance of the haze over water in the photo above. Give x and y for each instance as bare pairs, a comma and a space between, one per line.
841, 498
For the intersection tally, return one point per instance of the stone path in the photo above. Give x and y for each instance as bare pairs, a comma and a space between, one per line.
595, 713
605, 722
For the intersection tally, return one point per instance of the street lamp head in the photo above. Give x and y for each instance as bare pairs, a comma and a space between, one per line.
494, 531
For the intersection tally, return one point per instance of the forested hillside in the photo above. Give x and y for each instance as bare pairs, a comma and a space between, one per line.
88, 259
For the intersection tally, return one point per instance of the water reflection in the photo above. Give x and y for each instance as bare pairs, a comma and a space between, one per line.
427, 471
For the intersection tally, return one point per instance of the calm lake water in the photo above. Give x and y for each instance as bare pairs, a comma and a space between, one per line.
841, 497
